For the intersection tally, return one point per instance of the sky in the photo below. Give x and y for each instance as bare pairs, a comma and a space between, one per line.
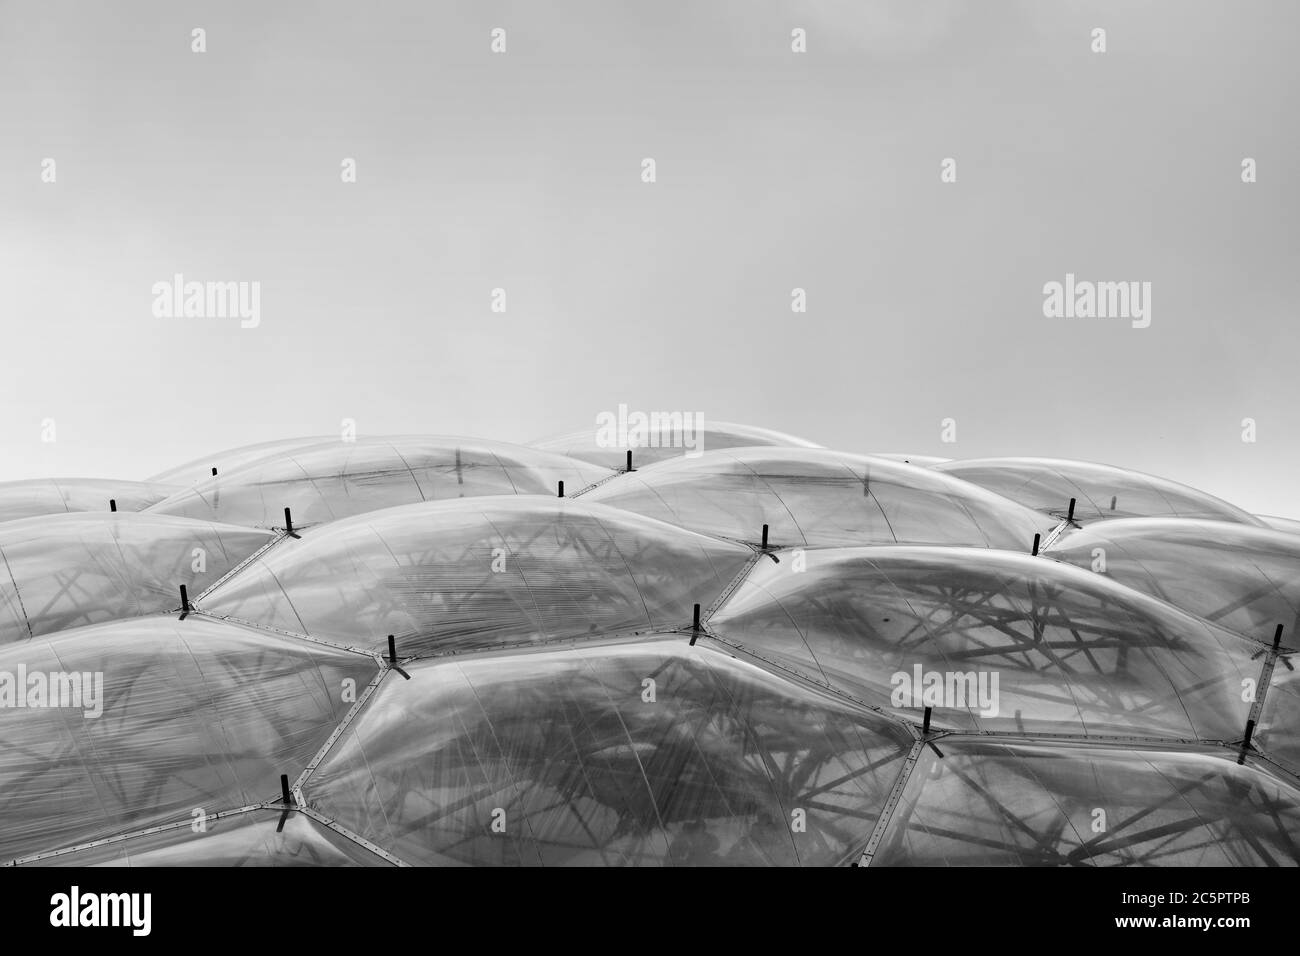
774, 170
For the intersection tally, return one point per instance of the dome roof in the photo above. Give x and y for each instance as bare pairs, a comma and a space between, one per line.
819, 497
61, 571
1279, 718
615, 754
200, 469
338, 479
1000, 802
1244, 578
1290, 525
1101, 491
924, 461
888, 677
257, 837
47, 496
1051, 649
652, 443
195, 713
481, 573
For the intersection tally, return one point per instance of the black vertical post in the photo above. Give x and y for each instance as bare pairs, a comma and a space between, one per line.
695, 627
1277, 637
392, 657
764, 537
561, 495
925, 722
112, 504
629, 459
1113, 499
185, 601
1070, 516
214, 471
1245, 743
1035, 551
288, 522
284, 790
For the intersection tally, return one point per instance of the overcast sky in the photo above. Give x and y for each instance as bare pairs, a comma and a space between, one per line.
774, 170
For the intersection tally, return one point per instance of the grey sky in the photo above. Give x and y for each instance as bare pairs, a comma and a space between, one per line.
775, 170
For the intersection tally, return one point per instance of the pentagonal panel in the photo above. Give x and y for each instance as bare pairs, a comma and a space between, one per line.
338, 479
993, 641
1100, 491
819, 497
1011, 803
116, 727
653, 753
61, 571
481, 573
1244, 578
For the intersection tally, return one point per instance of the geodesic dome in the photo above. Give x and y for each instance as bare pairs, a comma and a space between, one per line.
1247, 579
337, 479
192, 472
447, 663
196, 715
658, 441
1100, 491
47, 496
814, 496
66, 570
1074, 653
999, 802
587, 764
481, 573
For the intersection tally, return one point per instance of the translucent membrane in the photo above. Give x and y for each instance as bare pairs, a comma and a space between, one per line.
338, 479
1278, 733
647, 753
1100, 491
924, 461
195, 714
548, 706
481, 573
46, 496
242, 839
820, 497
1007, 803
200, 469
1244, 578
1290, 525
1070, 651
648, 444
61, 571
